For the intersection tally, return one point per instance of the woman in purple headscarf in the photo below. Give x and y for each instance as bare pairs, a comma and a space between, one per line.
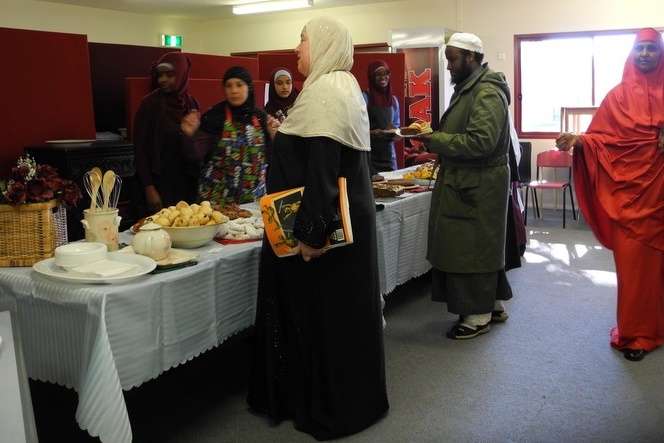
281, 94
165, 176
383, 109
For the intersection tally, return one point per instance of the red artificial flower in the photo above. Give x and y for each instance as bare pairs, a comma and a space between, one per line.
29, 182
38, 190
70, 193
16, 194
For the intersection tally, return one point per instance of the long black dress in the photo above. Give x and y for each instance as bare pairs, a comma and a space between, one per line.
318, 355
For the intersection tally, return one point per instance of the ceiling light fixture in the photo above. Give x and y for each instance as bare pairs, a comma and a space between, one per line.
280, 5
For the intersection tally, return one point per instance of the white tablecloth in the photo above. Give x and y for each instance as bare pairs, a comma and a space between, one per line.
101, 339
402, 239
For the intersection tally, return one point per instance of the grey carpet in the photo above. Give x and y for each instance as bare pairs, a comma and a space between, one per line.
546, 375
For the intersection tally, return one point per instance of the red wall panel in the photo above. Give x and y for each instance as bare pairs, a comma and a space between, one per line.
110, 64
214, 66
48, 92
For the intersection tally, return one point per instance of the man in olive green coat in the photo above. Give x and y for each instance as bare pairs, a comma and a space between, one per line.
467, 221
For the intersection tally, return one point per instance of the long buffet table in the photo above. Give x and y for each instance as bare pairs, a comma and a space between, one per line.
103, 339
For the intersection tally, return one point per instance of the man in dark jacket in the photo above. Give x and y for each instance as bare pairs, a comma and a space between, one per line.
468, 217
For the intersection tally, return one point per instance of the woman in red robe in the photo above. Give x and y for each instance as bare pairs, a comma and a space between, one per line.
619, 177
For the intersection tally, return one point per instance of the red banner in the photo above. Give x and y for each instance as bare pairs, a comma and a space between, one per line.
422, 91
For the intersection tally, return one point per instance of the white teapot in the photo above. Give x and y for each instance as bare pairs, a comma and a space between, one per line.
152, 241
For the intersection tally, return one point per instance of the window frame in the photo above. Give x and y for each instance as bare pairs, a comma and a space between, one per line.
519, 38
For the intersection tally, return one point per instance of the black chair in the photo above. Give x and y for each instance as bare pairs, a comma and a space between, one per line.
525, 173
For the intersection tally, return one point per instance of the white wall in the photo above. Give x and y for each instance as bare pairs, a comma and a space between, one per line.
101, 26
367, 23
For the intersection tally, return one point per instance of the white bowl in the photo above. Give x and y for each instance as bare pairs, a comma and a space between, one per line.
75, 254
189, 237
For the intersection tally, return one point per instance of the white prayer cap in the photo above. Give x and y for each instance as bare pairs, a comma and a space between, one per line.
467, 41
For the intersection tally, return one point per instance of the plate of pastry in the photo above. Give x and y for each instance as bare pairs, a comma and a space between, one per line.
414, 130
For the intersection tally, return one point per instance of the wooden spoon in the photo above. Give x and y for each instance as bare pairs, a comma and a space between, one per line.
95, 184
107, 186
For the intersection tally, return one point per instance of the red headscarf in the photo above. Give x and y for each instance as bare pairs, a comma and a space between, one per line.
177, 103
619, 172
379, 96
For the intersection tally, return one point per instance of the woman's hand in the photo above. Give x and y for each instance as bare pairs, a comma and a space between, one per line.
308, 252
272, 125
566, 141
190, 123
152, 198
661, 140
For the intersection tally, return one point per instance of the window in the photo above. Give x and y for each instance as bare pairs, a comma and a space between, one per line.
564, 70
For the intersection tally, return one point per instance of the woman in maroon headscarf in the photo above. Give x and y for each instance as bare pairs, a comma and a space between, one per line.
383, 108
619, 176
165, 175
281, 93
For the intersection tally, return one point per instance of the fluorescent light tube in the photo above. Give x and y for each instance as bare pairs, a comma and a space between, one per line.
280, 5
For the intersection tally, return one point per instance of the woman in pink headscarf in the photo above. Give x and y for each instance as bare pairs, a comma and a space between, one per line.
165, 175
619, 176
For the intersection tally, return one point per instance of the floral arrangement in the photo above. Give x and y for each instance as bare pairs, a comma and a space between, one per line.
29, 182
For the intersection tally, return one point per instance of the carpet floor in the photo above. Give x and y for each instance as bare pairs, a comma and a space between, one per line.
548, 374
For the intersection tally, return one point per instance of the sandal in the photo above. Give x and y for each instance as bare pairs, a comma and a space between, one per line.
499, 316
461, 332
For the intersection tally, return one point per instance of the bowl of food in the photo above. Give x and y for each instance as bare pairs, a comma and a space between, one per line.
188, 237
76, 254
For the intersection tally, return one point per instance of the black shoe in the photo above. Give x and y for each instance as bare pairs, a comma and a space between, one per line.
634, 354
461, 332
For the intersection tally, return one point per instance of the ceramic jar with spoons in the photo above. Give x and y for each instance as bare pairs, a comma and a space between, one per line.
102, 227
101, 221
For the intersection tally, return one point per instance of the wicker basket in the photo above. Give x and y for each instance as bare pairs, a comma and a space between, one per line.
31, 232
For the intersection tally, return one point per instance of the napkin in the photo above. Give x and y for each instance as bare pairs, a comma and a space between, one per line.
102, 268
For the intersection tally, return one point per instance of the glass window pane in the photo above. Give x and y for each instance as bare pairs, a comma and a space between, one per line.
567, 71
611, 51
554, 73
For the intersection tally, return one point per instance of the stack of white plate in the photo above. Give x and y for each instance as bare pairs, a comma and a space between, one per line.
79, 253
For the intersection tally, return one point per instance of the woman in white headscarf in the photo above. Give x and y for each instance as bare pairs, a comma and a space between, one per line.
318, 355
